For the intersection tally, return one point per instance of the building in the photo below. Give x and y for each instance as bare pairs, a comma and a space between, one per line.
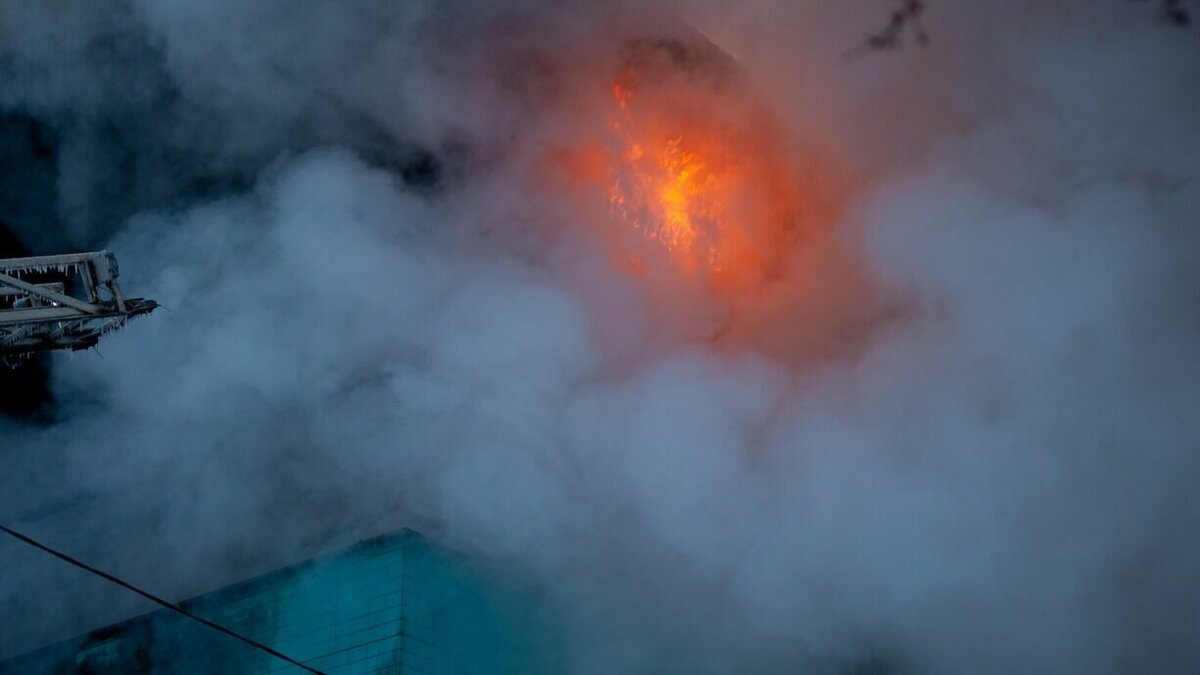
395, 604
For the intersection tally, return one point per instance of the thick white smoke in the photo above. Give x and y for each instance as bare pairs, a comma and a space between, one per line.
994, 473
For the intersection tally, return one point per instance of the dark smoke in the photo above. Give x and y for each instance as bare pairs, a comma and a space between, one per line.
387, 315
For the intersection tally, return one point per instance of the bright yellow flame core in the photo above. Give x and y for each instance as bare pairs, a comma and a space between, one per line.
714, 201
666, 194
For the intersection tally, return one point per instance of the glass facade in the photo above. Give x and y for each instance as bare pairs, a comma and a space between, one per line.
391, 605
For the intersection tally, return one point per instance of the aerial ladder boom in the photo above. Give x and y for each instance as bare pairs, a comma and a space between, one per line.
61, 302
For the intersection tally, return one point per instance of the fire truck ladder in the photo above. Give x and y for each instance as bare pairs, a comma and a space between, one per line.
61, 302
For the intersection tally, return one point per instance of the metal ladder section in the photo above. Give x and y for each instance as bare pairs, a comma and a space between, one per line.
61, 302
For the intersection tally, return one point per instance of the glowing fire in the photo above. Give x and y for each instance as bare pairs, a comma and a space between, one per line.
711, 196
719, 212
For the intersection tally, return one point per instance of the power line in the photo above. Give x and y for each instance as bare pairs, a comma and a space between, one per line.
157, 600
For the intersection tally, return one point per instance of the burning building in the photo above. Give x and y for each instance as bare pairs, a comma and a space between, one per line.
749, 357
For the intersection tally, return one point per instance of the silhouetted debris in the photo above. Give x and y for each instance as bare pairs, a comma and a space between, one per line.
905, 19
1173, 12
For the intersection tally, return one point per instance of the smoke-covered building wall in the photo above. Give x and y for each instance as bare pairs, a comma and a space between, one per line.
390, 605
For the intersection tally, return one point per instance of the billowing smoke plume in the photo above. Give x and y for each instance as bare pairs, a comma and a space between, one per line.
956, 434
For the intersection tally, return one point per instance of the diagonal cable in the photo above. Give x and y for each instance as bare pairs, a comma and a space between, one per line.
157, 600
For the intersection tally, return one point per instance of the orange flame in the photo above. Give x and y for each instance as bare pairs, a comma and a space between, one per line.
724, 216
715, 201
